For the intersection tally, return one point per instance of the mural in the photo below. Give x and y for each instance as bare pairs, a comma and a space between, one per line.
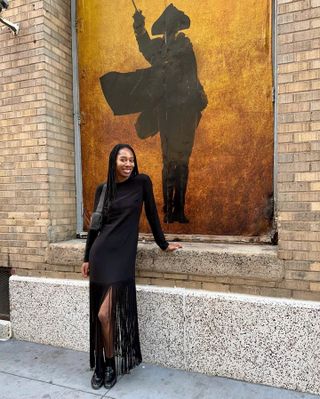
169, 97
207, 146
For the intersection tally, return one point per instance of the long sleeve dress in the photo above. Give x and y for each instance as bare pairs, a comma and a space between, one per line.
111, 254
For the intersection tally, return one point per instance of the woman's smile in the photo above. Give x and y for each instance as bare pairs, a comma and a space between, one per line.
124, 164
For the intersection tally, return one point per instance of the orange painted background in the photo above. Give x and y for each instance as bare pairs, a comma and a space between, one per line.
231, 164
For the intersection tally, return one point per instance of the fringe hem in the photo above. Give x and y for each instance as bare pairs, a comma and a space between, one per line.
124, 318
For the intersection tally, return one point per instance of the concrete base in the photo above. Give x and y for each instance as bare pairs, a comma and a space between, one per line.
5, 330
227, 260
261, 340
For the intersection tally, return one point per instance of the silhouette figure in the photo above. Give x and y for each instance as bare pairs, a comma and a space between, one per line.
168, 96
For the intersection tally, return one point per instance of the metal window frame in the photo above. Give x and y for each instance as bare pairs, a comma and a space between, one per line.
77, 118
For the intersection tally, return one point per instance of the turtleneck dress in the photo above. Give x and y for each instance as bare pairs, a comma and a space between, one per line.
111, 254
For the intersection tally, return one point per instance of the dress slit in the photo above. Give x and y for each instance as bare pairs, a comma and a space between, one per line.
125, 329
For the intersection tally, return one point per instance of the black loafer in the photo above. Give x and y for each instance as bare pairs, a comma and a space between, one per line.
110, 377
96, 382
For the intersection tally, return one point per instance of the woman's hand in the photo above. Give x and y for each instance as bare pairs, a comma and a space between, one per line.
173, 246
85, 269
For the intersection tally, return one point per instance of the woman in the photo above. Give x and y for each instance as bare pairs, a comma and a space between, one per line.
109, 260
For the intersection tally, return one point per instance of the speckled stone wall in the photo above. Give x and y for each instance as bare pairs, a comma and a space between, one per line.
262, 340
5, 330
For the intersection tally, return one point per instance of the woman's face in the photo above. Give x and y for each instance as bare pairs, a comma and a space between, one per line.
124, 164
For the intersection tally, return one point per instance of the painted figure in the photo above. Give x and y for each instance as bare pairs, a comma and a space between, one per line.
168, 96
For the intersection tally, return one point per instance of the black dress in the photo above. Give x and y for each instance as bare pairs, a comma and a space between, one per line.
112, 255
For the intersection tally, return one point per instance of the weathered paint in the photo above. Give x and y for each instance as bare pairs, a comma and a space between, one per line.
231, 164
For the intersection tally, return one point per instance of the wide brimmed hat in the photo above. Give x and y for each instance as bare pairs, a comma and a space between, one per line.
171, 20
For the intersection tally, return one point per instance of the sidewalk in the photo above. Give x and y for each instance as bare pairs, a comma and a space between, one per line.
34, 371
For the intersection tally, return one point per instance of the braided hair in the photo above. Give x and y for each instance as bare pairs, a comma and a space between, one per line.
111, 180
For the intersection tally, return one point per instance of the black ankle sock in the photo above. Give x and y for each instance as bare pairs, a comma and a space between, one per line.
110, 362
99, 369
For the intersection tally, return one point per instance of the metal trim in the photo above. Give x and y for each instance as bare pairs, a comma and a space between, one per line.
275, 103
76, 119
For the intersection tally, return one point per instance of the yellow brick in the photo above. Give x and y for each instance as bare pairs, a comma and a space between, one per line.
62, 268
315, 287
275, 292
315, 206
162, 282
315, 267
176, 276
314, 246
284, 254
143, 280
308, 55
306, 136
53, 274
294, 147
306, 295
74, 276
295, 285
188, 284
315, 125
210, 279
253, 282
300, 235
306, 255
215, 287
302, 275
307, 75
294, 127
293, 67
286, 216
307, 176
294, 87
285, 138
245, 289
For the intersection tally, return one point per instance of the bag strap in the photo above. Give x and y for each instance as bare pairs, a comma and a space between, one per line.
101, 199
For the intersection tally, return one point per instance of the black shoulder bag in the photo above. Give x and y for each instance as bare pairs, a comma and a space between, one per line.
96, 217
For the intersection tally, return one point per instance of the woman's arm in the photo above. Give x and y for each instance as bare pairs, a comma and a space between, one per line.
152, 214
153, 218
92, 234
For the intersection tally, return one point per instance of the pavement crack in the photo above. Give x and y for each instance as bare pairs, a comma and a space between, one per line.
52, 383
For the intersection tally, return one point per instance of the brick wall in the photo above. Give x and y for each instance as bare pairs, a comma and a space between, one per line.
59, 119
299, 145
37, 194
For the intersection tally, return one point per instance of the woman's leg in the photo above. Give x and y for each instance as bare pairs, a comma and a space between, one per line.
96, 338
105, 317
